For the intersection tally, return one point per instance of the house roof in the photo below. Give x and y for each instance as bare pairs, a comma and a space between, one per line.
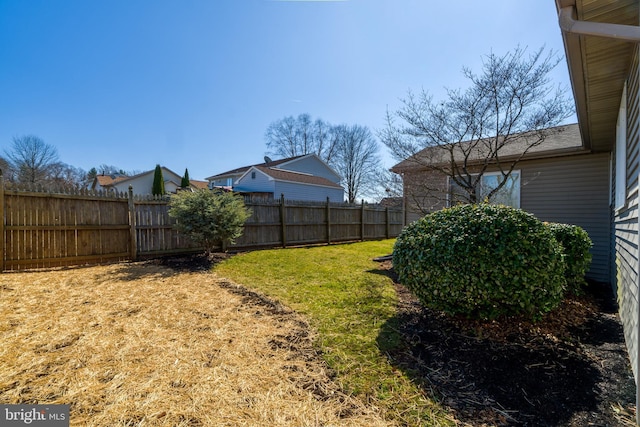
562, 140
243, 169
108, 180
298, 177
203, 185
598, 67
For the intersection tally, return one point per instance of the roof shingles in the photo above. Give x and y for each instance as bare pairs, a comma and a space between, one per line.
284, 175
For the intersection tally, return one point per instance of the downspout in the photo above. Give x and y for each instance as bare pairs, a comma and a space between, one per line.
630, 33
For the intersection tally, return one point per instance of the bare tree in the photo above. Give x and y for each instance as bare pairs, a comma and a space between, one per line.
105, 169
6, 169
507, 110
31, 158
297, 136
357, 160
325, 140
351, 150
66, 175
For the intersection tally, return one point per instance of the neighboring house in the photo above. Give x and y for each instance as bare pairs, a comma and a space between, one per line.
142, 182
557, 181
304, 178
601, 39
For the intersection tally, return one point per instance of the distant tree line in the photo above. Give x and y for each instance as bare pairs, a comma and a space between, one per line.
31, 160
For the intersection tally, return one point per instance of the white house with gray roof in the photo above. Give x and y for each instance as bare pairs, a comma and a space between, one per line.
304, 178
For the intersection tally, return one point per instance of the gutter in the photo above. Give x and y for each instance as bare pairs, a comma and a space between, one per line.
568, 24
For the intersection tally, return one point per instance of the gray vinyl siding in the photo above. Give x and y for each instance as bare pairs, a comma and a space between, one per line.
626, 271
572, 190
261, 183
291, 190
625, 226
306, 192
313, 166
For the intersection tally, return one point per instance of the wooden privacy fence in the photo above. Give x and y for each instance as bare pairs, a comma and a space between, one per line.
42, 229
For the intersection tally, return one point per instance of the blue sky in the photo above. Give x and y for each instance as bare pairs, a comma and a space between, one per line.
195, 83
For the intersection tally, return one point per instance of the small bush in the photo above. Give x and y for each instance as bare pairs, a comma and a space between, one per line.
576, 244
481, 261
209, 218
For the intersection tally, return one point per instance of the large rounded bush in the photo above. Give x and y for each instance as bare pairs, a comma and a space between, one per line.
481, 261
576, 243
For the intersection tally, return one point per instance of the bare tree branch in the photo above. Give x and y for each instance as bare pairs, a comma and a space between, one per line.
509, 108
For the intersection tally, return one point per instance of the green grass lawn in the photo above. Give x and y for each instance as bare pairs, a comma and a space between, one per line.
345, 296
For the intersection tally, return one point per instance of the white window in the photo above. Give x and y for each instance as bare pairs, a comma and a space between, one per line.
508, 195
621, 152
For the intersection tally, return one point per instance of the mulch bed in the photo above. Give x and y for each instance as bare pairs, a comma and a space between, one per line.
569, 369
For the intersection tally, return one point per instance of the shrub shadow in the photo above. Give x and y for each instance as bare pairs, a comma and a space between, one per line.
174, 265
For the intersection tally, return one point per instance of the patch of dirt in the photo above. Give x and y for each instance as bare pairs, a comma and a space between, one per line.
569, 369
191, 263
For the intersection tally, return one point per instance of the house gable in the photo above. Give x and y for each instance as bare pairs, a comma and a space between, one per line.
311, 164
141, 183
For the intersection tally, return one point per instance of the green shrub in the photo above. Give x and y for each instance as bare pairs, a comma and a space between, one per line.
481, 261
209, 218
576, 244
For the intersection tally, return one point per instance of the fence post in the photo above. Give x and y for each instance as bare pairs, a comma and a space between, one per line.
132, 226
362, 221
2, 237
386, 218
283, 225
328, 222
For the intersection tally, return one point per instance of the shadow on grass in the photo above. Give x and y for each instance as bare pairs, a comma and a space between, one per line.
528, 376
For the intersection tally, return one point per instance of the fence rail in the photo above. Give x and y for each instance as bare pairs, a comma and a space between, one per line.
44, 229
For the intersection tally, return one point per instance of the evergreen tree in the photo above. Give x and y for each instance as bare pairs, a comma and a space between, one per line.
185, 179
157, 189
211, 219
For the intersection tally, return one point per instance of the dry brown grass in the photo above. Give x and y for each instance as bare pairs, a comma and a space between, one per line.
142, 345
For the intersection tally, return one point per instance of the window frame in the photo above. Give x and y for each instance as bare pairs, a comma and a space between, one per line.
517, 172
620, 194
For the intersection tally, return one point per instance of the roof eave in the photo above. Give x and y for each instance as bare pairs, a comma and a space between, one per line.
573, 53
598, 46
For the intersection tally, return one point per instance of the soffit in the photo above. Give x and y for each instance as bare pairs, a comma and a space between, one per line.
598, 67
